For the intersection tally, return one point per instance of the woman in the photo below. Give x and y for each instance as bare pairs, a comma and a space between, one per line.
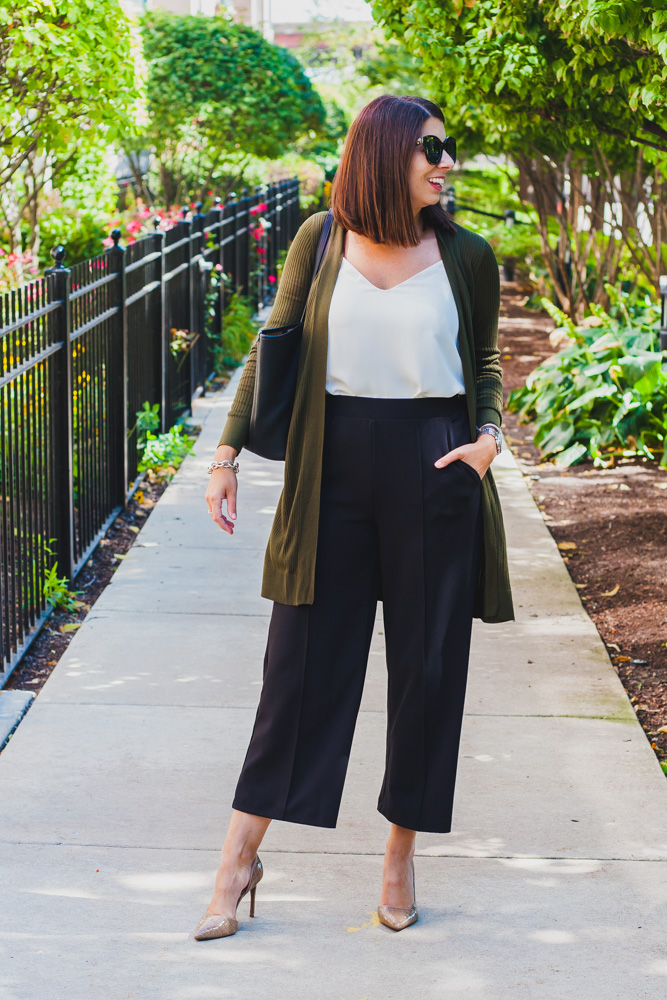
387, 496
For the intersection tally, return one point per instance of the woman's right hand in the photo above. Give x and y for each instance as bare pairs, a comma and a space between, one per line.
223, 486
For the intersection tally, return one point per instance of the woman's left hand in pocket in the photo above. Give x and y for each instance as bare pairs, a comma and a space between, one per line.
479, 454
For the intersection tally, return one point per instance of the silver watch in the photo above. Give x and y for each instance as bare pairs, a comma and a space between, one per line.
234, 466
495, 434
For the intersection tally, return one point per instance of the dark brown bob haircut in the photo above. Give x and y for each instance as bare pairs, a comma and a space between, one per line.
370, 193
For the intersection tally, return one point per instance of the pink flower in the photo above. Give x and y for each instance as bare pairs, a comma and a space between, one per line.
258, 233
146, 214
271, 278
260, 250
254, 211
263, 207
108, 242
134, 226
11, 259
218, 267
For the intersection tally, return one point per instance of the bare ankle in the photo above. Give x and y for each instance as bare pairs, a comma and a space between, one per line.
399, 851
239, 858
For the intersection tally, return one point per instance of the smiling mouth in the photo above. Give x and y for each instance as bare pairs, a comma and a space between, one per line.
436, 182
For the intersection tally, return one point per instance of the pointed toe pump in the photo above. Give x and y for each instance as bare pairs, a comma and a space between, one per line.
398, 917
217, 925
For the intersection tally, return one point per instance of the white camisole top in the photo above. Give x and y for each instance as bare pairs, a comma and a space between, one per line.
399, 342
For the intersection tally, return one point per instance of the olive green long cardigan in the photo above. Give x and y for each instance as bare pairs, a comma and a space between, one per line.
289, 565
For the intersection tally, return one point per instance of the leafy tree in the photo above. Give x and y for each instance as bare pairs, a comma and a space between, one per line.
218, 93
66, 82
622, 50
532, 79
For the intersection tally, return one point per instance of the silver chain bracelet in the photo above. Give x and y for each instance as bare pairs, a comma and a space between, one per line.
234, 466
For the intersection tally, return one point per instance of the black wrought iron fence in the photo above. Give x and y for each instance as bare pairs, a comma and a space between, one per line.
82, 349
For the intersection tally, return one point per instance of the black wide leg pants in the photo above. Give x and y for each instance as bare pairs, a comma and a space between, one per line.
395, 527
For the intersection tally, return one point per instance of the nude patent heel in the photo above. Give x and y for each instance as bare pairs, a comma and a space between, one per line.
216, 925
399, 917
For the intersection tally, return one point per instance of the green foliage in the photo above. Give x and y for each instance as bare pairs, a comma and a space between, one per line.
56, 591
520, 242
163, 453
68, 90
63, 75
80, 232
605, 392
538, 70
148, 419
567, 90
492, 190
350, 64
310, 171
55, 588
238, 333
159, 453
218, 92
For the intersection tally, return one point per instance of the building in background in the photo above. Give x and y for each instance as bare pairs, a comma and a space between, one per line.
255, 13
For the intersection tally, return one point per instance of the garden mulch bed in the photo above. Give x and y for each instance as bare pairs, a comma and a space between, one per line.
611, 528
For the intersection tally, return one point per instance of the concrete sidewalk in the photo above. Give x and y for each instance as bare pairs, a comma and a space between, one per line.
116, 786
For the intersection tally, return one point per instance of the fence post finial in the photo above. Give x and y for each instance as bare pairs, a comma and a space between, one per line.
58, 254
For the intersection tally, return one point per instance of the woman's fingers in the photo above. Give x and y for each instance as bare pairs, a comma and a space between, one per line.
222, 521
218, 492
231, 500
475, 455
452, 456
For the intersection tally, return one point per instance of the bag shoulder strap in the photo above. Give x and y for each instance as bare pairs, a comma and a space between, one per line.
320, 254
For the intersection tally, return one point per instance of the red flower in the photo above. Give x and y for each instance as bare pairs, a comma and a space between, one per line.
263, 207
260, 250
254, 211
258, 233
271, 278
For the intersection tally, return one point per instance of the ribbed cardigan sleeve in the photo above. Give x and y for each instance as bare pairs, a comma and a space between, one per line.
287, 308
485, 313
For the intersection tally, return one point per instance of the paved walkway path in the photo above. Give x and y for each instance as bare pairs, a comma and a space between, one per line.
115, 792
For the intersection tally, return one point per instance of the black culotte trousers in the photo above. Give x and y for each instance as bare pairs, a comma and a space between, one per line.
393, 527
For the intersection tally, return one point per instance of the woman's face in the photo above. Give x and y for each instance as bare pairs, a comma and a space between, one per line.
426, 182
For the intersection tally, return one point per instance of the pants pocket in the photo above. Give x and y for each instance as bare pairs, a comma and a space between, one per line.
469, 469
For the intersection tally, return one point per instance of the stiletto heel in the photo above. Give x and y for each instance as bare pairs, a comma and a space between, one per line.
215, 925
399, 917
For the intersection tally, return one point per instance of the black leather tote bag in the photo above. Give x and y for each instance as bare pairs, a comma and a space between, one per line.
277, 364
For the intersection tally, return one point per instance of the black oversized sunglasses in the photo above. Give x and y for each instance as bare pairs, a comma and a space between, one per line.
433, 147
